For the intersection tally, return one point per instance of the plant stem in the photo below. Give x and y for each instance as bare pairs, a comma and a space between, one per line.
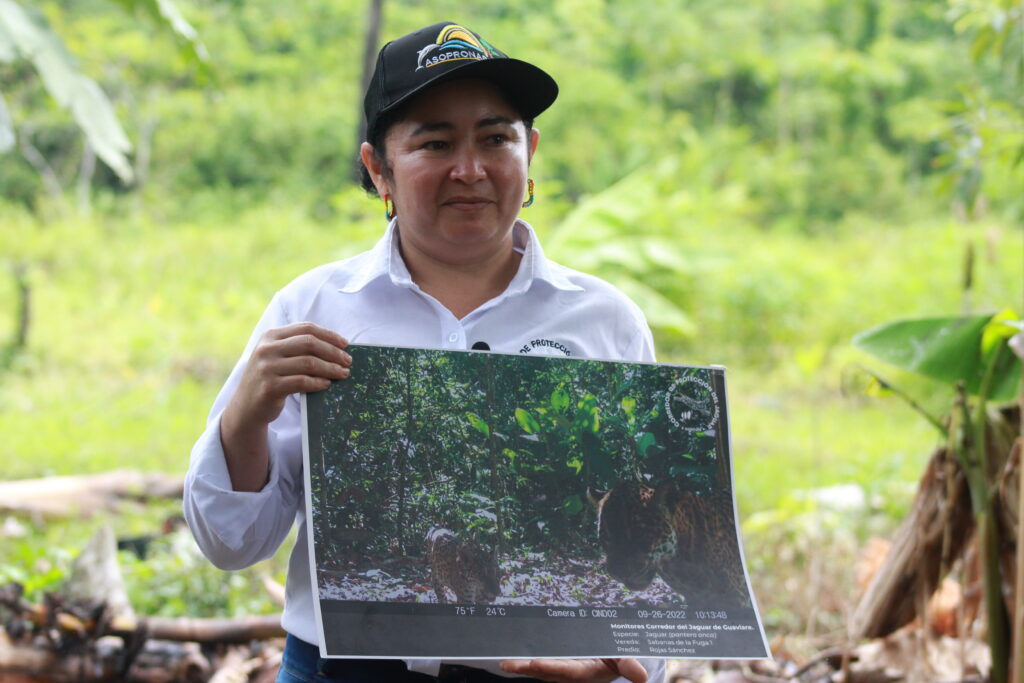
1017, 628
988, 532
888, 386
1018, 620
995, 609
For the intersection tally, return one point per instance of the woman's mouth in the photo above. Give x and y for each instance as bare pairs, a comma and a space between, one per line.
467, 203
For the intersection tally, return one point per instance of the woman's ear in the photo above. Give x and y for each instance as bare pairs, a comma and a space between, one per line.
534, 138
375, 166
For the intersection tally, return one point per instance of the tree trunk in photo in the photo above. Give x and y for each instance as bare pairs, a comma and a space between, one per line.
371, 39
405, 453
614, 382
495, 457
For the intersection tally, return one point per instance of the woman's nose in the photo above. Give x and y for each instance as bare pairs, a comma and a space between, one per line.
468, 166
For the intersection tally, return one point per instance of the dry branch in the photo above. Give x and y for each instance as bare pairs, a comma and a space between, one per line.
183, 629
84, 495
157, 662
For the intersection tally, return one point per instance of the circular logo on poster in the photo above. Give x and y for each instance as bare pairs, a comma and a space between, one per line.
691, 404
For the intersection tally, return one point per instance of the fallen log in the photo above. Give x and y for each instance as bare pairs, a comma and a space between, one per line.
236, 630
157, 662
84, 495
182, 629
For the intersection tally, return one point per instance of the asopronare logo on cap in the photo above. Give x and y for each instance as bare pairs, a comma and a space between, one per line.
454, 43
692, 404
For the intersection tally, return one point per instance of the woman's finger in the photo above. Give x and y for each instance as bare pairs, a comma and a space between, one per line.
301, 384
306, 328
304, 345
310, 366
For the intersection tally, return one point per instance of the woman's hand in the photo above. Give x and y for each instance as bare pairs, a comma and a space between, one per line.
578, 670
301, 357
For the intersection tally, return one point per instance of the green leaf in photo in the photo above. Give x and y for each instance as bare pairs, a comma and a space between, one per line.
573, 504
527, 421
559, 399
645, 442
628, 404
478, 424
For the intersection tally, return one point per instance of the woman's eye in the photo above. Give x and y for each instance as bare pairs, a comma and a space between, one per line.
435, 145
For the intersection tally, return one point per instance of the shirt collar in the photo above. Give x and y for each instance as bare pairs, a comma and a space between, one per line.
385, 259
534, 266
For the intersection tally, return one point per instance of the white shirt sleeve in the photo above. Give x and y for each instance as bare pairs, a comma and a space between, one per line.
641, 348
236, 529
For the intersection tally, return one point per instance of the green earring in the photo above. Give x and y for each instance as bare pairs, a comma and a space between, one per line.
529, 189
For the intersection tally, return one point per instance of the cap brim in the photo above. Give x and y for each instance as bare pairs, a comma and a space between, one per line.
529, 89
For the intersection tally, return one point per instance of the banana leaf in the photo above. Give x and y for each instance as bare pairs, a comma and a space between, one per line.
949, 350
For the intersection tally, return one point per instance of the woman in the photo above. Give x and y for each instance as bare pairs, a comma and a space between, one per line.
449, 141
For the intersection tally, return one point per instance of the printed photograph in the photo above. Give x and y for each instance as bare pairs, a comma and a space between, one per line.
493, 479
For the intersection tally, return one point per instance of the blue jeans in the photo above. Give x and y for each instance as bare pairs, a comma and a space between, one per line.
301, 663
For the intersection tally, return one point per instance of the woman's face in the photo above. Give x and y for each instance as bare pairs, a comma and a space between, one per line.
458, 162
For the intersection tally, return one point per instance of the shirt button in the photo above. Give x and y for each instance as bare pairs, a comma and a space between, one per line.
453, 337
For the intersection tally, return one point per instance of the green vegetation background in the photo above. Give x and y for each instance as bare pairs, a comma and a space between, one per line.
764, 178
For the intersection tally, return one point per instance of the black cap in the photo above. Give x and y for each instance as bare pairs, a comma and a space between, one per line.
446, 51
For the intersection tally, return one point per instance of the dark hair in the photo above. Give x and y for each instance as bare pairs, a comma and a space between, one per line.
384, 124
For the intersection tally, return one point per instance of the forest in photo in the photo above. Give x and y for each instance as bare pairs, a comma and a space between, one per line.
506, 456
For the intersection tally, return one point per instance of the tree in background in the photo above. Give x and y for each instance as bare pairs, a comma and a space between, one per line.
33, 52
985, 127
26, 37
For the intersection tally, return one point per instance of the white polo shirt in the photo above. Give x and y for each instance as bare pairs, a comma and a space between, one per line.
370, 298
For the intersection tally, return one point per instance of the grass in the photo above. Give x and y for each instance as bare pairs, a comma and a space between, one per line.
136, 324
